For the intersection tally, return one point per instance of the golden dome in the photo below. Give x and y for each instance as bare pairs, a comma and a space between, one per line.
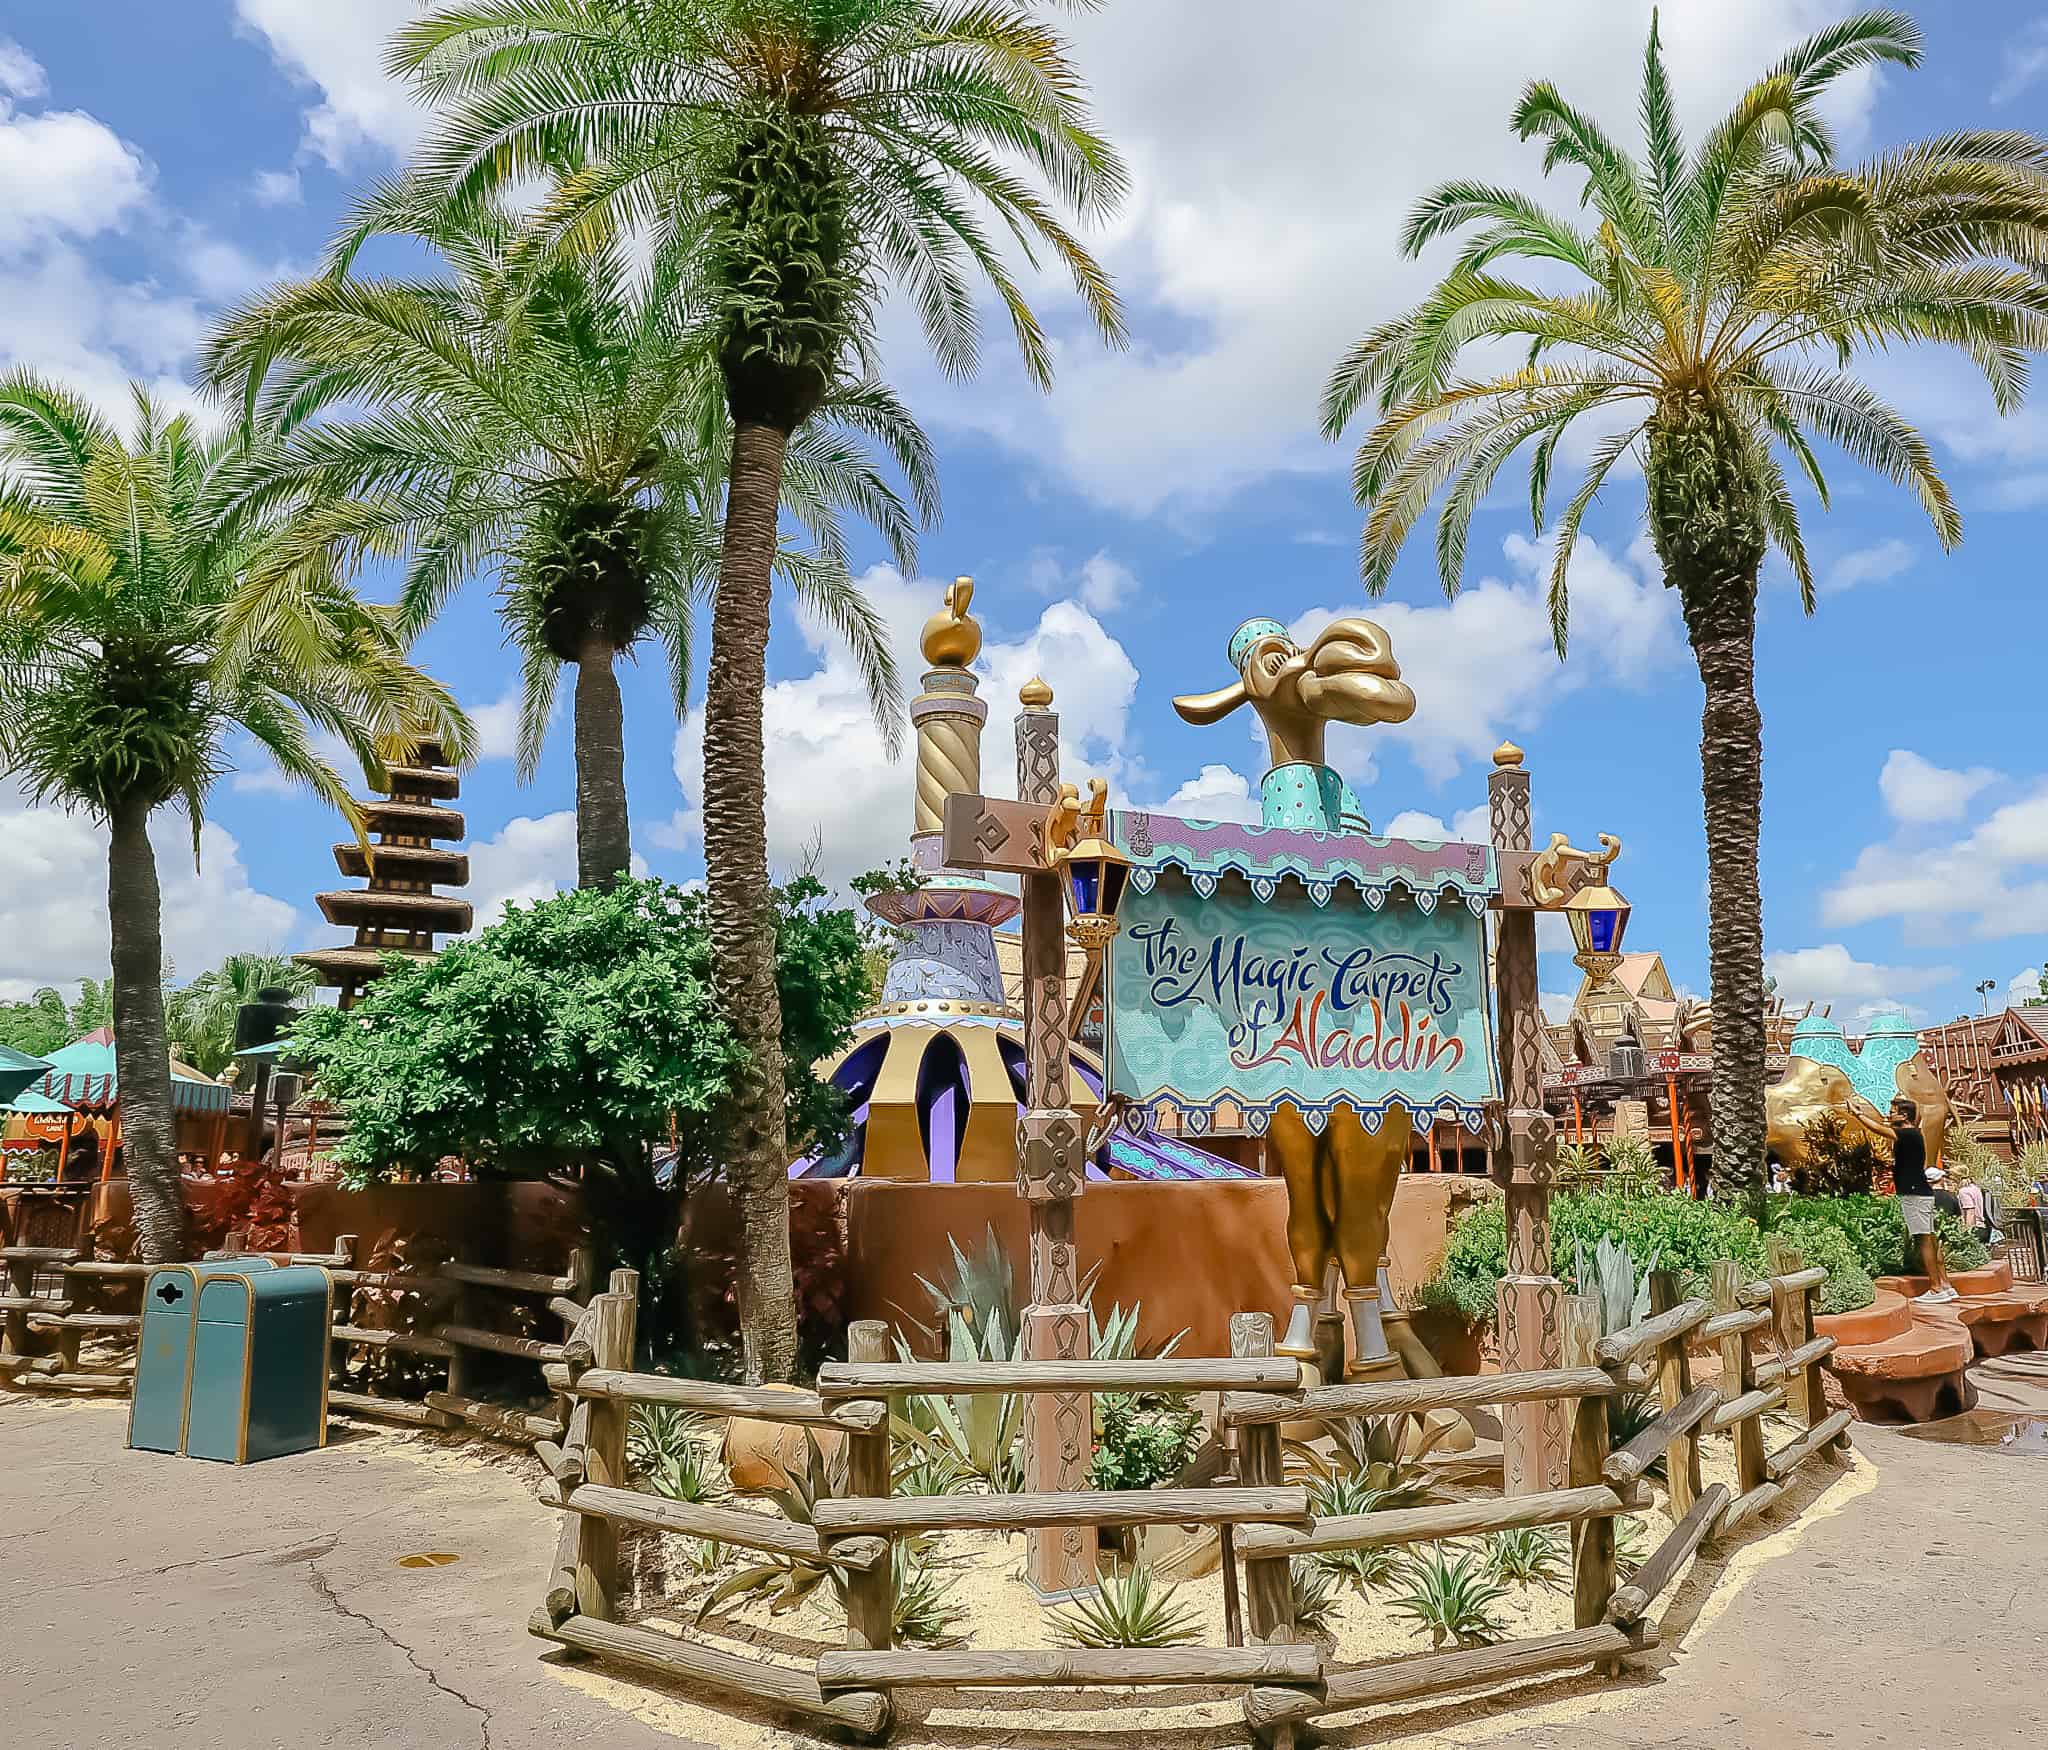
1034, 694
1507, 755
952, 637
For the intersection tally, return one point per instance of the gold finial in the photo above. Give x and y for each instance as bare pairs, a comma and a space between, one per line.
952, 637
1507, 755
1034, 694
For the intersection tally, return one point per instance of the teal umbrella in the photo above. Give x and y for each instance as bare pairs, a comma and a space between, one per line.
17, 1071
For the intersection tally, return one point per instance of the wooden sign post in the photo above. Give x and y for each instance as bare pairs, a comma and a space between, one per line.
982, 833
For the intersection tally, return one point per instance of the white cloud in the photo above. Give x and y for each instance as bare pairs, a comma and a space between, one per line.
340, 51
1106, 584
276, 188
1878, 563
1272, 170
2026, 59
2025, 986
1215, 793
497, 726
1993, 880
53, 887
1918, 792
256, 774
831, 787
530, 859
1831, 974
1469, 826
1483, 666
1557, 1005
61, 171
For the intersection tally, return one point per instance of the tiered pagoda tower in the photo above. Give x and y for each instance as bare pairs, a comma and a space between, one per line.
399, 911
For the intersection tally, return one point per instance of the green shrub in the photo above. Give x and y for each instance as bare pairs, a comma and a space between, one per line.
1683, 1234
1876, 1229
1145, 1440
1126, 1610
1960, 1248
1848, 1286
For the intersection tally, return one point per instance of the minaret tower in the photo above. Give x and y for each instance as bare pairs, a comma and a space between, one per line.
399, 911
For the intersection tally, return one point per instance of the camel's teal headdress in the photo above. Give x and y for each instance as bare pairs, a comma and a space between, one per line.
1242, 640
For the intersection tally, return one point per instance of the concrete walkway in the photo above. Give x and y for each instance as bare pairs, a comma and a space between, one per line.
151, 1601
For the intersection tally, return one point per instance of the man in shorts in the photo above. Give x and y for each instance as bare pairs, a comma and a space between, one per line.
1916, 1197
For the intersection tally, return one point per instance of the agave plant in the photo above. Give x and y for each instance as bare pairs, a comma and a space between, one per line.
1318, 1596
1631, 1543
1376, 1454
931, 1470
1453, 1598
1624, 1295
921, 1610
1126, 1610
1530, 1556
788, 1579
1363, 1570
674, 1453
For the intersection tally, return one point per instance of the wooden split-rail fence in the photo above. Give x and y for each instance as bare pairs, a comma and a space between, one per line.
1259, 1516
469, 1305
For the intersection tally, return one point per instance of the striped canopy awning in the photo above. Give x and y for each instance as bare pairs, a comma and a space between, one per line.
83, 1077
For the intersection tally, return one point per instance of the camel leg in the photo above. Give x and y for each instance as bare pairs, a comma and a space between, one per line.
1368, 1170
1308, 1226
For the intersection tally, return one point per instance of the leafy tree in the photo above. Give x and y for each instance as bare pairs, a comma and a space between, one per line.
1724, 295
152, 608
565, 1039
201, 1016
816, 153
38, 1026
557, 418
2039, 1000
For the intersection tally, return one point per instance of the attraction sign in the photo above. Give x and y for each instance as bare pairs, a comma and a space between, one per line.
1258, 967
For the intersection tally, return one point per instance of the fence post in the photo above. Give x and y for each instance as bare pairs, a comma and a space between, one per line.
1674, 1381
455, 1309
1816, 1383
870, 1595
597, 1539
1788, 1328
1738, 1379
1269, 1583
1592, 1539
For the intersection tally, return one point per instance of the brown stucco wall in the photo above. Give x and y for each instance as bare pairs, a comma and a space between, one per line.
1192, 1254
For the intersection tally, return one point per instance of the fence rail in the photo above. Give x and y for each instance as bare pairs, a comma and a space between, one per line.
1258, 1515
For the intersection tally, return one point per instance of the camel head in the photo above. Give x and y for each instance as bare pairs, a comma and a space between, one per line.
1347, 675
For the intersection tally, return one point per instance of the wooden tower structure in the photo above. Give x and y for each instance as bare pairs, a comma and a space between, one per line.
400, 910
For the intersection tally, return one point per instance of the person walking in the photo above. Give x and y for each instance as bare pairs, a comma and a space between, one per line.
1975, 1215
1916, 1196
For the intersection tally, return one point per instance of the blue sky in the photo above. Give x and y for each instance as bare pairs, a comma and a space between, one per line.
157, 161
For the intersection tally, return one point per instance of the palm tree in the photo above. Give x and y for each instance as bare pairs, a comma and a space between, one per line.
201, 1017
813, 153
559, 418
148, 613
1724, 295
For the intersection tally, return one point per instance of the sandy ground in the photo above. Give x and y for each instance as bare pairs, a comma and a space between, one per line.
157, 1600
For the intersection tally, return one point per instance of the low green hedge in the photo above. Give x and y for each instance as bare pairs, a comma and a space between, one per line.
1856, 1238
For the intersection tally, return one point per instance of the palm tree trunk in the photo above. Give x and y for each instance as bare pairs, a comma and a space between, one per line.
1721, 619
604, 839
741, 909
142, 1059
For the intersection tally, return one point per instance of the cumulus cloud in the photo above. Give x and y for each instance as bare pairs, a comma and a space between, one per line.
1917, 792
1216, 792
2025, 986
1831, 974
834, 795
1469, 826
276, 188
62, 172
53, 897
1992, 881
1484, 664
1877, 563
339, 52
497, 726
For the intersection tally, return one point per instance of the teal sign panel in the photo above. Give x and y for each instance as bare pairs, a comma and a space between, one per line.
1284, 995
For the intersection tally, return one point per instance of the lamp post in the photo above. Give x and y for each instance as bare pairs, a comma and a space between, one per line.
1061, 854
1530, 1299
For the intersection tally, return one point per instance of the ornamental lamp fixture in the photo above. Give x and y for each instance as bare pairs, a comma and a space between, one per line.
1598, 917
1095, 874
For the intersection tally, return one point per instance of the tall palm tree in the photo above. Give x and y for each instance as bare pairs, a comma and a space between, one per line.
557, 416
816, 153
149, 613
1724, 296
201, 1017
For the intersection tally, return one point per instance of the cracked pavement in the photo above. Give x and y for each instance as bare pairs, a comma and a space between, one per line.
154, 1600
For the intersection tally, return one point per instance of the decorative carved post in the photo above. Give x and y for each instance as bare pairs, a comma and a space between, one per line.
1058, 1427
1529, 1309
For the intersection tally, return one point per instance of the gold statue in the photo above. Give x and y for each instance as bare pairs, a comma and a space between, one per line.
1547, 868
1348, 675
952, 637
1809, 1090
1341, 1179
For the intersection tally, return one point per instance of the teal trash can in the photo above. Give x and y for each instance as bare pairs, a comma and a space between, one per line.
259, 1364
163, 1355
